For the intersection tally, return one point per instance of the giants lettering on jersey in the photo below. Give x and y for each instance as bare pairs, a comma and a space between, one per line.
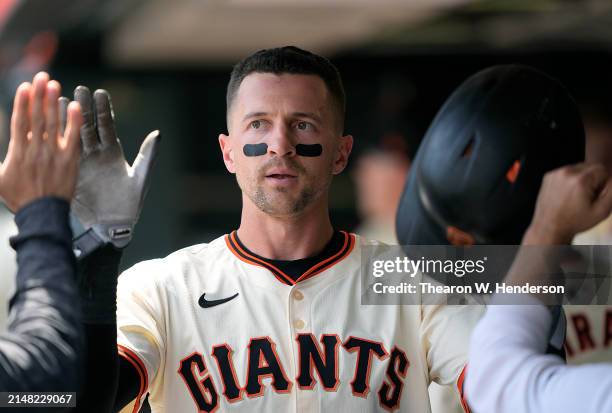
317, 364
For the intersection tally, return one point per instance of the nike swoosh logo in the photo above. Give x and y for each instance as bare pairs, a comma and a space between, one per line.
204, 303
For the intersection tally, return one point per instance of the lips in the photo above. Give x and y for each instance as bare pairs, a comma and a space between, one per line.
281, 174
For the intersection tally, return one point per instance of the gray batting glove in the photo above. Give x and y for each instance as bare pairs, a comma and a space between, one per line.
109, 193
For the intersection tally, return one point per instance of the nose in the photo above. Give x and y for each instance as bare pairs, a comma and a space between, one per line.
281, 142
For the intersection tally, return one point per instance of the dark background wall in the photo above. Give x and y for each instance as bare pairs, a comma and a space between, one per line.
395, 82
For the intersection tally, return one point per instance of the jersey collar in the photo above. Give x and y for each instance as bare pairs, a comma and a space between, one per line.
293, 272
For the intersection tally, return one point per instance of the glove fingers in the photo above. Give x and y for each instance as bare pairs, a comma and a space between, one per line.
105, 117
63, 114
89, 138
146, 158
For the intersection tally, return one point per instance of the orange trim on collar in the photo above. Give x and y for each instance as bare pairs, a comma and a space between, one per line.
242, 255
249, 259
312, 271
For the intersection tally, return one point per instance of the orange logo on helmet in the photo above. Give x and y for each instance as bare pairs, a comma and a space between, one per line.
513, 172
459, 238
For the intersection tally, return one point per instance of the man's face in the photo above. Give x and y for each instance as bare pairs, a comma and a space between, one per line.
283, 111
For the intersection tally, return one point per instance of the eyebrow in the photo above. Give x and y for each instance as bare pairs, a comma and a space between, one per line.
253, 115
309, 115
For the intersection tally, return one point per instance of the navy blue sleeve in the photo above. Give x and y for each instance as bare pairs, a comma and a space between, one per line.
115, 382
43, 345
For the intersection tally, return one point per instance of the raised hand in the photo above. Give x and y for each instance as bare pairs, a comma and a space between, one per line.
572, 199
42, 160
110, 193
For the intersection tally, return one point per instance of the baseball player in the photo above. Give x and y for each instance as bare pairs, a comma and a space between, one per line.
41, 347
508, 370
268, 317
479, 184
589, 327
484, 191
380, 175
7, 230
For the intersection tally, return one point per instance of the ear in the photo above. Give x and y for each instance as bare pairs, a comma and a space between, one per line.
342, 154
228, 153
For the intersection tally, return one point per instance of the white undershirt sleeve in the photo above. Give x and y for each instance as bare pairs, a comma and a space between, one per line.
508, 370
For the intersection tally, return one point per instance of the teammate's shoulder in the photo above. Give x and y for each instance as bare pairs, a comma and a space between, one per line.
375, 247
361, 240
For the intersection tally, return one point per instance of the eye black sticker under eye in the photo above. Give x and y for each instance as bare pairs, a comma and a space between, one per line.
309, 150
255, 149
258, 149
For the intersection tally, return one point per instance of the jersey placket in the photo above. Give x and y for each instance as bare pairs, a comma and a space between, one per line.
300, 323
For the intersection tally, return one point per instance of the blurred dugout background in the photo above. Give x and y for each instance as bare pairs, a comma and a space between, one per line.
166, 64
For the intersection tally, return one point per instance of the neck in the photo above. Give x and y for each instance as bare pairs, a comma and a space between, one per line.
285, 237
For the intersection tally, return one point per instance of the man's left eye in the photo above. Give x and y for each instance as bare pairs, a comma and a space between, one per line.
303, 125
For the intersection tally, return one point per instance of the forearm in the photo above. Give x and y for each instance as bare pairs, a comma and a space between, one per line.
538, 262
98, 290
509, 372
42, 347
110, 382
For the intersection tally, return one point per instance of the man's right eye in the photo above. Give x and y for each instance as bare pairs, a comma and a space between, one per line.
256, 124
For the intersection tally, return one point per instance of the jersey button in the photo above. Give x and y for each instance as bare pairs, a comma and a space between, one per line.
297, 294
299, 324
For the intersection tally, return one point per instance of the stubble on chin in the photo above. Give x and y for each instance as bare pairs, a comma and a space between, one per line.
278, 201
281, 204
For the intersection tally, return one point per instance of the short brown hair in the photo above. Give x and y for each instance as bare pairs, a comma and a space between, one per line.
290, 60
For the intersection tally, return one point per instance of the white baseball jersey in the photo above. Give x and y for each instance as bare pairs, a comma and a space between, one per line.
589, 327
8, 264
213, 327
589, 334
443, 399
510, 373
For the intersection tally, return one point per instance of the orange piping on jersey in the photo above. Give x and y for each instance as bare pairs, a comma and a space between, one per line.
342, 254
322, 263
259, 265
460, 381
237, 251
133, 358
240, 253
